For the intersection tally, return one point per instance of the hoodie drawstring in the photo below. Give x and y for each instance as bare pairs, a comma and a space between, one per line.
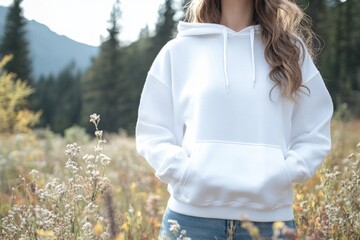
252, 36
227, 84
225, 46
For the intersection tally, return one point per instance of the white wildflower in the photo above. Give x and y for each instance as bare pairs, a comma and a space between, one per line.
93, 173
88, 157
104, 183
174, 226
105, 160
99, 133
34, 174
98, 148
91, 207
72, 166
79, 198
87, 226
131, 209
72, 150
95, 118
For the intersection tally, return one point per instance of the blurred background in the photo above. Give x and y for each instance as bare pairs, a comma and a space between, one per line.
62, 60
81, 57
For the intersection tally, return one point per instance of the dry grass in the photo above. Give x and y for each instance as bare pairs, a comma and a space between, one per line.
326, 207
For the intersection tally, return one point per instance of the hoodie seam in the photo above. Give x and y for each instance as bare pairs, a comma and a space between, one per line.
256, 205
239, 143
158, 80
312, 77
216, 26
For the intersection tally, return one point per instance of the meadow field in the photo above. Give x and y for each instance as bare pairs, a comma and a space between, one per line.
100, 188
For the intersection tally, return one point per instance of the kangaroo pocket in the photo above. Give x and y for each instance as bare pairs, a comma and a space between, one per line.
221, 173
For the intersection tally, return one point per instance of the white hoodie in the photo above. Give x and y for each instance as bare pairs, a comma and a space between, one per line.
212, 131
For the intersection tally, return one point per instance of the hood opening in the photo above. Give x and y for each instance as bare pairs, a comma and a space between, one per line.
200, 29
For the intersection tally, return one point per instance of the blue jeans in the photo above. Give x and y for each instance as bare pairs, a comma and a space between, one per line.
198, 228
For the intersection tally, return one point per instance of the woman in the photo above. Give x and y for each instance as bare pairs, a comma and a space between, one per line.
233, 112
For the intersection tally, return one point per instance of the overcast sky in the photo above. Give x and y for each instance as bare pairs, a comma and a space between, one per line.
86, 20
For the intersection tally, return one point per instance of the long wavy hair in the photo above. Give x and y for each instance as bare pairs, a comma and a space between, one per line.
285, 32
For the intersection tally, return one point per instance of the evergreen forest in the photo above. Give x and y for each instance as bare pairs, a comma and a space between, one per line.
112, 85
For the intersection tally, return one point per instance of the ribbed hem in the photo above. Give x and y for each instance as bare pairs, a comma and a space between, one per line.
284, 213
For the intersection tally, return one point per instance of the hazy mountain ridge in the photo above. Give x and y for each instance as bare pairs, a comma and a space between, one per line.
50, 52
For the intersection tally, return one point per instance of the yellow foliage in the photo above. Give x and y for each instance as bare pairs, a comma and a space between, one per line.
14, 117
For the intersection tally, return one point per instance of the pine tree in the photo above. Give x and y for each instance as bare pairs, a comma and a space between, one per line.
165, 27
59, 99
137, 59
67, 105
44, 99
337, 23
14, 42
103, 92
348, 64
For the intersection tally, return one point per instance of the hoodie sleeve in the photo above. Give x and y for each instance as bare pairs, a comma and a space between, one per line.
156, 138
310, 138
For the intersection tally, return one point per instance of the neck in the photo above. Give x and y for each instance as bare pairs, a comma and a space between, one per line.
237, 14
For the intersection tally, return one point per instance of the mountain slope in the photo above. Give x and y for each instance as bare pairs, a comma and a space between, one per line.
51, 52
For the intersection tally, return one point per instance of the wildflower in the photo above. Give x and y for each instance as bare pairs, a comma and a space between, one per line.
254, 232
72, 165
278, 225
87, 227
104, 184
131, 209
72, 150
98, 229
98, 148
133, 186
79, 198
34, 174
88, 157
95, 118
105, 160
138, 214
91, 207
183, 235
252, 229
125, 227
174, 226
99, 133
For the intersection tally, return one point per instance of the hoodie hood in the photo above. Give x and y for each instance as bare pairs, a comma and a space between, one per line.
186, 29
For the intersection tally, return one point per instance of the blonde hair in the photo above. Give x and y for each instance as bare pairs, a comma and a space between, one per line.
285, 32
